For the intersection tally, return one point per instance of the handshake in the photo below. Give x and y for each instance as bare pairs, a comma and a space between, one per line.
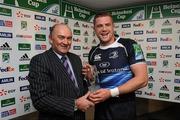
91, 98
96, 94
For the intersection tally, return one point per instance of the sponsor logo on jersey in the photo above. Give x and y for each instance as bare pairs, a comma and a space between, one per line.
97, 57
104, 64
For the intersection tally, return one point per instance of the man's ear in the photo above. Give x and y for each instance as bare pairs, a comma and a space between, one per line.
50, 39
50, 36
93, 27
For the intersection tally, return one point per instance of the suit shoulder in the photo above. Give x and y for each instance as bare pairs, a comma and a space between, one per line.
73, 55
40, 55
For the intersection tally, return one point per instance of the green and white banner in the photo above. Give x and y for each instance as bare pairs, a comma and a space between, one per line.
128, 14
76, 12
45, 6
167, 10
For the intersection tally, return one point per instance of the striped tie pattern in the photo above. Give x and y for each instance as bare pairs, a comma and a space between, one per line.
66, 65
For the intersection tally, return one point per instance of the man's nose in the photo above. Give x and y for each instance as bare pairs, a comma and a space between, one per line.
104, 27
65, 41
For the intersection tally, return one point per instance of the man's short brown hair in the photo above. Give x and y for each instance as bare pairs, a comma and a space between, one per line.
101, 14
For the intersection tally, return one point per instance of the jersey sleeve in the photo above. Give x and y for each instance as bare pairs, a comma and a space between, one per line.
134, 51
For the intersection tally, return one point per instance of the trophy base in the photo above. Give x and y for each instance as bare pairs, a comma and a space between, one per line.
93, 88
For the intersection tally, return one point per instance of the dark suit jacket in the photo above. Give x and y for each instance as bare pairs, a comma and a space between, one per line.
52, 91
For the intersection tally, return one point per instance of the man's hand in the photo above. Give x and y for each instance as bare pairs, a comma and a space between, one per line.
83, 103
99, 95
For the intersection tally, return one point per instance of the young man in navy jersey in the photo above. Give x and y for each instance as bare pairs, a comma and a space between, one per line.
122, 70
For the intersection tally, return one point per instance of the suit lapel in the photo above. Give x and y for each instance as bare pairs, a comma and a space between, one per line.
62, 70
75, 67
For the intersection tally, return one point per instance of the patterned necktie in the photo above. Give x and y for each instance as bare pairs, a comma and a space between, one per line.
66, 65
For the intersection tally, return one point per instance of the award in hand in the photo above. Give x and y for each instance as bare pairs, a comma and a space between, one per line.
94, 82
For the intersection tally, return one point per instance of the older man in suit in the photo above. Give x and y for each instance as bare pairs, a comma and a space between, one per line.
58, 92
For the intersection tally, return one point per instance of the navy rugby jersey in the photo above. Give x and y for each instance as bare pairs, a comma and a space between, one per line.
113, 61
